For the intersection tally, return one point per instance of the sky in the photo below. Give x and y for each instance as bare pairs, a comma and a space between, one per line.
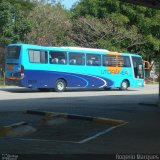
68, 3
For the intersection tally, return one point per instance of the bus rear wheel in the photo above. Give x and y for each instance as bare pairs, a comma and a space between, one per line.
60, 85
124, 85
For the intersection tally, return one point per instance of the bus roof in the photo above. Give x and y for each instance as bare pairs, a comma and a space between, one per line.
86, 49
64, 48
69, 48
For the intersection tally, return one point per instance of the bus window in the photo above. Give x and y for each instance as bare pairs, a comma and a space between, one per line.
37, 56
57, 57
120, 61
13, 52
113, 61
93, 60
126, 61
76, 58
109, 60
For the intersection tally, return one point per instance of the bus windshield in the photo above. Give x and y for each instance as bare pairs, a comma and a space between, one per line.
13, 52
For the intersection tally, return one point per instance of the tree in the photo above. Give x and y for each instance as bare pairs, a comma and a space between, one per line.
24, 5
145, 20
103, 33
13, 25
49, 25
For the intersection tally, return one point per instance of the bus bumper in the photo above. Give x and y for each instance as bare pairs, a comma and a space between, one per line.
10, 82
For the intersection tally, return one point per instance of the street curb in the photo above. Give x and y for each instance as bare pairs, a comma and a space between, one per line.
5, 130
100, 120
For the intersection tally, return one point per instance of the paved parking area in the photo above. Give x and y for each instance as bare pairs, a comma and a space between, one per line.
140, 135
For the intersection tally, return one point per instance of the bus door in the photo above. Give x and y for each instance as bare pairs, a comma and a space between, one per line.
138, 67
13, 68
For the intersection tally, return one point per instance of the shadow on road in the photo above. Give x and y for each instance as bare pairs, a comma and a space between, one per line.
140, 135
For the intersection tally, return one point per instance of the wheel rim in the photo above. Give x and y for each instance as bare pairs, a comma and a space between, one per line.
60, 86
124, 85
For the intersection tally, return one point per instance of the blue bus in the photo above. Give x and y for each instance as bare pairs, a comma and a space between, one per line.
62, 68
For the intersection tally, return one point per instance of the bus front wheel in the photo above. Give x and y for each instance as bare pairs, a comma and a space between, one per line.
60, 85
124, 85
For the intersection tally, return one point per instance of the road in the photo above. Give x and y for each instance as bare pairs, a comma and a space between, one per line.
139, 135
20, 99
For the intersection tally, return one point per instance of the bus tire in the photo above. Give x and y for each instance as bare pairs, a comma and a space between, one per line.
124, 85
60, 85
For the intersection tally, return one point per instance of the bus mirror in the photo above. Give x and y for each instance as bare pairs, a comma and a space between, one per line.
146, 65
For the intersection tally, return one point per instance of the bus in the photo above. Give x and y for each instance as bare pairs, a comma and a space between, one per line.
61, 68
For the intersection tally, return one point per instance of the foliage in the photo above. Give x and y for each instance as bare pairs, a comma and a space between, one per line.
139, 19
13, 24
103, 33
109, 24
49, 25
24, 5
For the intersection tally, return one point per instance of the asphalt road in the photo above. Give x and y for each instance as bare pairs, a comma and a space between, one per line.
140, 135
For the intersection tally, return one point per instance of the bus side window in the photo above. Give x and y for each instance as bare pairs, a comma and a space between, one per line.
120, 61
44, 57
89, 62
113, 61
57, 57
54, 60
93, 60
76, 58
105, 61
72, 61
37, 56
127, 62
109, 60
62, 61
